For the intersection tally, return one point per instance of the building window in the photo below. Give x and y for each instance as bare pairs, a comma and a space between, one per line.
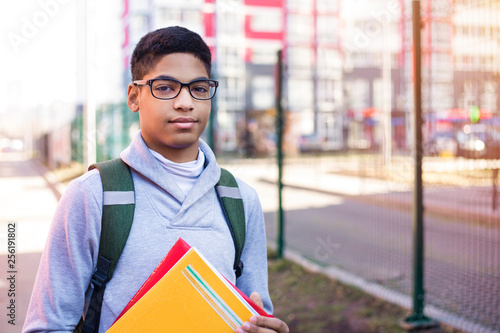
364, 59
191, 16
489, 95
327, 6
442, 95
230, 56
326, 91
458, 62
441, 64
263, 92
327, 29
300, 93
271, 22
231, 93
140, 22
171, 16
264, 56
300, 57
329, 59
379, 93
358, 94
441, 34
300, 28
299, 5
229, 23
440, 8
184, 17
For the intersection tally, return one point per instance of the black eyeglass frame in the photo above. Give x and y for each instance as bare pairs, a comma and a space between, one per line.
150, 84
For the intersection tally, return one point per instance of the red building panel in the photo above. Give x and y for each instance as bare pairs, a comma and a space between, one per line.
208, 22
265, 3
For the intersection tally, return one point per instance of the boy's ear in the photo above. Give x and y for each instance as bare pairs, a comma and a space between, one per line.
133, 97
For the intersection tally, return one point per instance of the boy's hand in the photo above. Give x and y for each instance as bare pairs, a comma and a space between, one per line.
260, 324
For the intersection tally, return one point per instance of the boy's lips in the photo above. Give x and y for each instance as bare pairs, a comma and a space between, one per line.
183, 122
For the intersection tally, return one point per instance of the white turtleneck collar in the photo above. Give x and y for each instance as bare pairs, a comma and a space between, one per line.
185, 174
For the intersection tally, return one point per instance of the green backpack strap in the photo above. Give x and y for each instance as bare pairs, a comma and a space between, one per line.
231, 201
118, 209
117, 216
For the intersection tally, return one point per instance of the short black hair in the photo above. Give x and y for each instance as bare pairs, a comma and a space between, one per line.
161, 42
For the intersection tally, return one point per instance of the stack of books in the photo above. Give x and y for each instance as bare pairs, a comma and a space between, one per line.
185, 293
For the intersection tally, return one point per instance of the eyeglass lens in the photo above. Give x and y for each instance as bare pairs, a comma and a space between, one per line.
200, 89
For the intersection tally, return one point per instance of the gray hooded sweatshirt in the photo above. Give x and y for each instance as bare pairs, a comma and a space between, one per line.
163, 213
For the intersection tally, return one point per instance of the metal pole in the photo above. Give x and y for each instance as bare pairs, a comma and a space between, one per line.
417, 319
89, 118
279, 143
212, 123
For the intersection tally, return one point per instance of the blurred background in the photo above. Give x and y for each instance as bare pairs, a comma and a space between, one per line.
348, 115
348, 78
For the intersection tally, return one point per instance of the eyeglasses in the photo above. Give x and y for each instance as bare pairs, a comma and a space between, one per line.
201, 89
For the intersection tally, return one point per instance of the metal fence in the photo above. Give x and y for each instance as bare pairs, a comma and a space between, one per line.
350, 210
362, 230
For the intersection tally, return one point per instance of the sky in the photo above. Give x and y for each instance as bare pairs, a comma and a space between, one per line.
38, 57
42, 61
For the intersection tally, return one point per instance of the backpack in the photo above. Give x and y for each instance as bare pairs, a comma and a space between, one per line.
117, 217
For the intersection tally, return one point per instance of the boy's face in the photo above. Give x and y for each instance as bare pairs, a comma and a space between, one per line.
172, 127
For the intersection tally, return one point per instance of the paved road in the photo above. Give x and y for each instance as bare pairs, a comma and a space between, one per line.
27, 202
462, 266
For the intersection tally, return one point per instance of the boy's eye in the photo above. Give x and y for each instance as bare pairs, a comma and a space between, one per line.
200, 88
165, 86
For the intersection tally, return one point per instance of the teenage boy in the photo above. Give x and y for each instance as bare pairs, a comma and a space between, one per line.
174, 174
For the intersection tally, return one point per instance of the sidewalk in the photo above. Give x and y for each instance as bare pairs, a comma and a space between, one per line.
473, 203
306, 185
26, 204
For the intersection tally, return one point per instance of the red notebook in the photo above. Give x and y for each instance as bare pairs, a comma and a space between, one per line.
173, 256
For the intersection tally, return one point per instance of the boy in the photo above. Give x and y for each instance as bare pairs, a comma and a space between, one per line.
174, 174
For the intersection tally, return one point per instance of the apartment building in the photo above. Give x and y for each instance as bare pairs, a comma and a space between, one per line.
349, 65
476, 55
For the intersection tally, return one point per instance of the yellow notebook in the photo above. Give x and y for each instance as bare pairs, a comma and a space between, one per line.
191, 297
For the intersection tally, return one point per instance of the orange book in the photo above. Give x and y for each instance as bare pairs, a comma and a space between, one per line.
185, 293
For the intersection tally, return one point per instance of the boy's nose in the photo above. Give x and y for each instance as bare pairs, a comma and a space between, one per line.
184, 100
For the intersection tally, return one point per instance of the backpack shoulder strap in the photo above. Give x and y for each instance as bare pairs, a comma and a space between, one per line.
118, 209
117, 217
231, 202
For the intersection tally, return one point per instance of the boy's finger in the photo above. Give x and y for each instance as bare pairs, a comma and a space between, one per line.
256, 298
271, 323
